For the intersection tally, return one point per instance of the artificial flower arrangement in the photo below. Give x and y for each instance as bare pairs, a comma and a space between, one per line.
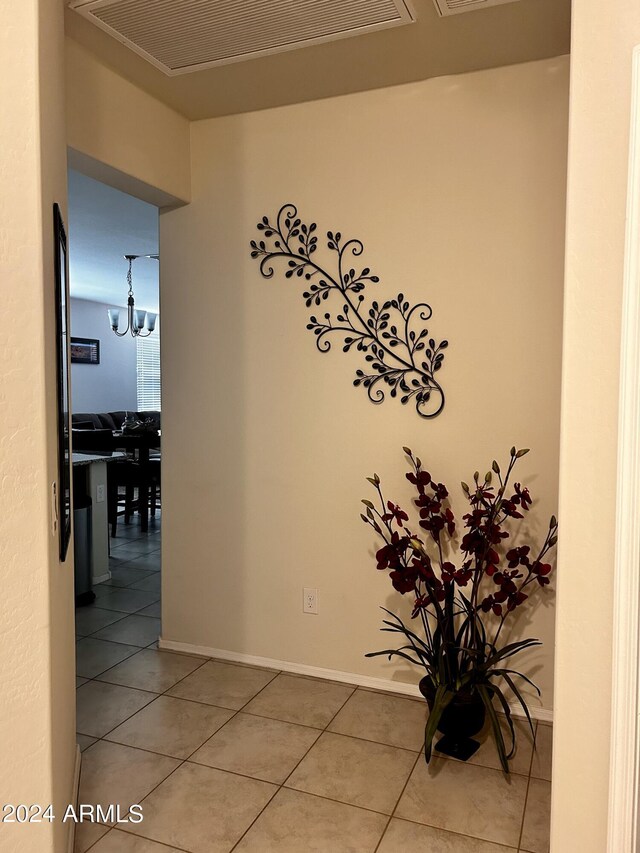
461, 608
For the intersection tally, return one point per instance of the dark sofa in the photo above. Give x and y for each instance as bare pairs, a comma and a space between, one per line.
109, 420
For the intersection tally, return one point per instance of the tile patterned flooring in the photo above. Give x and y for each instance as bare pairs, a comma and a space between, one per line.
226, 757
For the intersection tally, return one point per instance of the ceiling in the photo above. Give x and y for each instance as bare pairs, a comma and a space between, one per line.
104, 225
432, 47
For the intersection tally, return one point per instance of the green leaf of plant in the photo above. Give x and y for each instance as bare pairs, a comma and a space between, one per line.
495, 727
520, 699
440, 702
400, 626
500, 672
394, 652
507, 712
511, 649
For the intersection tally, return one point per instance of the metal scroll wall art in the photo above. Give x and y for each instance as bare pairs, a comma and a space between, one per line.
400, 356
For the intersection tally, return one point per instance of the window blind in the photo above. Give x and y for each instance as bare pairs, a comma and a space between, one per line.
148, 369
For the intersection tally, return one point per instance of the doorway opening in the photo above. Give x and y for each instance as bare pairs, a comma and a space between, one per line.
116, 434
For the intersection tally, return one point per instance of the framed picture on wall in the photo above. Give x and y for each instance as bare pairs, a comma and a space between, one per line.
62, 362
85, 351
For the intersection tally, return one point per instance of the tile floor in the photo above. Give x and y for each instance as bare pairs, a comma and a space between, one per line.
229, 757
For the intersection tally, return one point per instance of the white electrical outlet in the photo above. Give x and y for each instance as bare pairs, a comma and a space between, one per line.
100, 493
309, 600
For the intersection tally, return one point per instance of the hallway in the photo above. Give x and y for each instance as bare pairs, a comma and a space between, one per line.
228, 757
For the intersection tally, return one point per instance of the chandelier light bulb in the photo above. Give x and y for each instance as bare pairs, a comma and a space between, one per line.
114, 318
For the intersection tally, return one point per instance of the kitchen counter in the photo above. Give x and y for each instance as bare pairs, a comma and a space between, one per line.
90, 477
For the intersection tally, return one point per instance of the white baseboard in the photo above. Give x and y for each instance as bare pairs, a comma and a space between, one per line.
101, 579
401, 687
543, 715
76, 789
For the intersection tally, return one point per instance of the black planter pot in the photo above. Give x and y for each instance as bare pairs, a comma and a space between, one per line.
462, 718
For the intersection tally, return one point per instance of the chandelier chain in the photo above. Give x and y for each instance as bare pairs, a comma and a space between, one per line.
130, 277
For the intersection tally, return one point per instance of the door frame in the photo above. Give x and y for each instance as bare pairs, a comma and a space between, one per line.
625, 702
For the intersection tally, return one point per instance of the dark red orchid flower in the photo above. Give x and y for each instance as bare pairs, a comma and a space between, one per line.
521, 496
518, 556
440, 491
482, 496
403, 580
428, 506
541, 570
472, 542
434, 524
450, 521
486, 604
421, 603
509, 508
389, 555
395, 513
424, 569
506, 580
448, 572
516, 600
421, 479
495, 534
474, 518
462, 576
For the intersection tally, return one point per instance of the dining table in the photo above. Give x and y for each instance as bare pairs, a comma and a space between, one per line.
140, 444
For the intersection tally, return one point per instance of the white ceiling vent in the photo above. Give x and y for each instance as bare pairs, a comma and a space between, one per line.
454, 7
179, 36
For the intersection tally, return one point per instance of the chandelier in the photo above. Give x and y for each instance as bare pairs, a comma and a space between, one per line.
139, 323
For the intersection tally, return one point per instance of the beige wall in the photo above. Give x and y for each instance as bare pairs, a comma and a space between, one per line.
456, 185
116, 124
112, 385
431, 47
603, 40
37, 712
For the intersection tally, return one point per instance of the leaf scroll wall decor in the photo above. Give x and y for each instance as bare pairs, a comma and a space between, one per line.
399, 355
